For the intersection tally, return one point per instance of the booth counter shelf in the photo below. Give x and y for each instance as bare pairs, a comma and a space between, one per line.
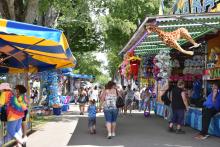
193, 118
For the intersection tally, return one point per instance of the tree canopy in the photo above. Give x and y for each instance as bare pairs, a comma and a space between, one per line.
90, 25
119, 24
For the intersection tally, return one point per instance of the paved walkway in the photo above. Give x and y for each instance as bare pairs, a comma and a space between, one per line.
70, 130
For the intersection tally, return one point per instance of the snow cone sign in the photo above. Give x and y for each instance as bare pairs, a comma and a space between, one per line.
214, 73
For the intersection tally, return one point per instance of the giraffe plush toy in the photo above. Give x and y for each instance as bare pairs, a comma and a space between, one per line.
171, 38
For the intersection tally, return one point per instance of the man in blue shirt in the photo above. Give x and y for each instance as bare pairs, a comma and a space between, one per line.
211, 107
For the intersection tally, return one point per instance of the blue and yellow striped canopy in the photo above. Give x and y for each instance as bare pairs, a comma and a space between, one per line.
30, 48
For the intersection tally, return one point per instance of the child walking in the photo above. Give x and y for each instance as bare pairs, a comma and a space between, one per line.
92, 117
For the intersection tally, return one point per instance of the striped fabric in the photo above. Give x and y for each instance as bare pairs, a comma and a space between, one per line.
26, 47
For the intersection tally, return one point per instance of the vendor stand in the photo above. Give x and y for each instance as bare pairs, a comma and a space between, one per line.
202, 27
26, 48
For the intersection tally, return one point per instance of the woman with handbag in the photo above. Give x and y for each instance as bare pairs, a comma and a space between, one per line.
108, 100
82, 100
14, 112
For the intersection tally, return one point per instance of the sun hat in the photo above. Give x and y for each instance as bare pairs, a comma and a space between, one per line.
5, 86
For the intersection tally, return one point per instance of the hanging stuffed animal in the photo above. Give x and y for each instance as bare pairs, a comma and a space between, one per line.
171, 38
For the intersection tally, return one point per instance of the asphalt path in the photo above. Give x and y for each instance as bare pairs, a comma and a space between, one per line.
138, 131
70, 130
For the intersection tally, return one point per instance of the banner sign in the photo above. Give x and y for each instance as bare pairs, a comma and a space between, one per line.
213, 73
196, 6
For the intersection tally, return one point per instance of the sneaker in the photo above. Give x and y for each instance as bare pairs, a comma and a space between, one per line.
202, 137
113, 134
180, 131
109, 137
171, 129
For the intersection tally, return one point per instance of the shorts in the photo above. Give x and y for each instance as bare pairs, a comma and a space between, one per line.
111, 115
178, 116
25, 115
128, 102
14, 128
92, 121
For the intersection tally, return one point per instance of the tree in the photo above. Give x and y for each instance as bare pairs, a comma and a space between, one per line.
82, 35
120, 23
87, 64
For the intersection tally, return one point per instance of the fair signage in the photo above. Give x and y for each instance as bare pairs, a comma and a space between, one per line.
214, 73
196, 6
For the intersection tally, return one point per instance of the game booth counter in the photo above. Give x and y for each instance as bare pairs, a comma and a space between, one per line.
174, 47
27, 48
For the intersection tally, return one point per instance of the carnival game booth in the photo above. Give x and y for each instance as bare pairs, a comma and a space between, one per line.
27, 48
189, 36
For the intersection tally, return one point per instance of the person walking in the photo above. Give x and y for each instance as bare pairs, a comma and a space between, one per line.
108, 100
82, 100
92, 117
14, 108
166, 98
129, 99
179, 104
137, 99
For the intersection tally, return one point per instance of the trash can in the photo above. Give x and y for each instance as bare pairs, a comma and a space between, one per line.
56, 111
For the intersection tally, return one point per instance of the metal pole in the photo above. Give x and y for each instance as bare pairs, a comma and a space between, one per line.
206, 60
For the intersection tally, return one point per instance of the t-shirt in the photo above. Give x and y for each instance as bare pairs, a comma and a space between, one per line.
137, 95
177, 99
92, 111
15, 106
110, 101
210, 104
75, 93
130, 94
94, 95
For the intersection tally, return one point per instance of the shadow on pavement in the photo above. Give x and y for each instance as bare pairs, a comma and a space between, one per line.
137, 131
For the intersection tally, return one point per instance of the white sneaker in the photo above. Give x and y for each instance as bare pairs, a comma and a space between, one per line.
113, 134
109, 136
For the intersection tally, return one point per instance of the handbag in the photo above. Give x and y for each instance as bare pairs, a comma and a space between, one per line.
82, 99
166, 98
3, 116
119, 102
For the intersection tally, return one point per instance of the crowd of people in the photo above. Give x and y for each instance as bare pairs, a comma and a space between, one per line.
14, 109
105, 100
14, 106
176, 98
177, 101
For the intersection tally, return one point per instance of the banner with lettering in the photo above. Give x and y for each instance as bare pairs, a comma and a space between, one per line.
196, 6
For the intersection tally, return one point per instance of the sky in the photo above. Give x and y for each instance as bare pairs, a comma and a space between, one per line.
100, 56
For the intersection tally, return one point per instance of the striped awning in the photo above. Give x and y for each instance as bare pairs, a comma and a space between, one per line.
198, 25
30, 48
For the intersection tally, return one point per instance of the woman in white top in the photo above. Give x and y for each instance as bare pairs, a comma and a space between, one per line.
108, 101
